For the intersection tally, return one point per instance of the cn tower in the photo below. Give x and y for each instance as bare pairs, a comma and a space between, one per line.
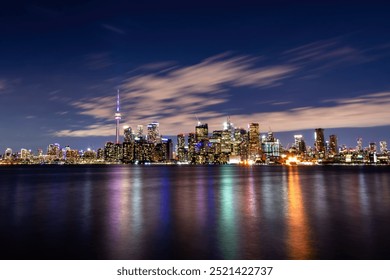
118, 116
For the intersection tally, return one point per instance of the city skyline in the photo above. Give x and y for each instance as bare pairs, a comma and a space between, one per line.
291, 68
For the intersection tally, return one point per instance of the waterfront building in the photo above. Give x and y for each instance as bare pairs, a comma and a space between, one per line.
319, 142
333, 147
109, 152
359, 147
383, 147
140, 131
128, 151
89, 156
299, 144
8, 153
270, 146
201, 132
181, 151
25, 154
254, 141
153, 133
128, 134
54, 152
100, 154
191, 147
238, 137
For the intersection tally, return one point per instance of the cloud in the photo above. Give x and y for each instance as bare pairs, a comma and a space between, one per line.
98, 61
113, 29
326, 54
3, 85
177, 97
181, 91
368, 110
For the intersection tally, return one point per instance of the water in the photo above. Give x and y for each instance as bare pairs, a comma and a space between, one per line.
194, 212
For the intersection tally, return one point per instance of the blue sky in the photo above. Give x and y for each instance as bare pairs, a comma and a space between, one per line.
291, 67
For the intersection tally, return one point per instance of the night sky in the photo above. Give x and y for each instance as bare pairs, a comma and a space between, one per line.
290, 66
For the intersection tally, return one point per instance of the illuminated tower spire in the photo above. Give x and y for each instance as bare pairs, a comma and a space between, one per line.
118, 116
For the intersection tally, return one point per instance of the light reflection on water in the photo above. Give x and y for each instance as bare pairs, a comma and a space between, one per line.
194, 212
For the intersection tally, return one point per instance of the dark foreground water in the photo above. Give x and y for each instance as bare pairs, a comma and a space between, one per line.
194, 212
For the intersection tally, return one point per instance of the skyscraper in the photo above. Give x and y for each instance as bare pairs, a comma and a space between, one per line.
254, 140
153, 133
118, 117
128, 134
333, 148
201, 132
319, 141
181, 147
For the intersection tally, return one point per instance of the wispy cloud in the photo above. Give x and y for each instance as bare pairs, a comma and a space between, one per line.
176, 97
326, 54
182, 91
3, 85
98, 61
113, 29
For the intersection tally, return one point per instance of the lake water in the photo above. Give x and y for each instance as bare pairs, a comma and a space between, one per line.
194, 212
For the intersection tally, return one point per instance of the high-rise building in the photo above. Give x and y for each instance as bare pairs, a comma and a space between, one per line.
372, 147
8, 153
383, 147
191, 147
128, 151
270, 146
118, 117
109, 152
181, 148
359, 142
54, 151
319, 142
201, 132
254, 140
153, 133
128, 134
299, 143
140, 131
333, 147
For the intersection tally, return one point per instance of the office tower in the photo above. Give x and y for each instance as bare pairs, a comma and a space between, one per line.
118, 152
153, 133
270, 146
140, 131
238, 137
383, 147
254, 140
216, 142
54, 151
118, 117
109, 152
128, 151
226, 140
372, 152
167, 148
191, 147
100, 154
8, 153
319, 142
359, 146
299, 143
24, 154
181, 147
333, 147
201, 132
128, 134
